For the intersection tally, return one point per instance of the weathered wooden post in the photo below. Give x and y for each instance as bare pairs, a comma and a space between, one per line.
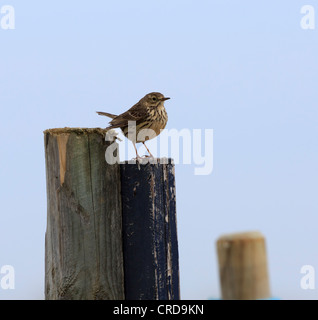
111, 228
150, 231
83, 242
243, 266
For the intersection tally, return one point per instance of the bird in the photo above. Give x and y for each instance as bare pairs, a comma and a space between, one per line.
148, 113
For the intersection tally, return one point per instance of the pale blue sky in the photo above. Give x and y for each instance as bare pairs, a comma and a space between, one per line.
244, 69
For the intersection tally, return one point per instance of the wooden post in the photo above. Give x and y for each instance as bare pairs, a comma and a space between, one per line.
243, 266
83, 241
150, 233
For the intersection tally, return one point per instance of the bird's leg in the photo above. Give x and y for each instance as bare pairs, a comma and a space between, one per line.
137, 155
148, 150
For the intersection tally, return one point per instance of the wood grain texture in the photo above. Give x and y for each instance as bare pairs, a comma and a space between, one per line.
243, 266
151, 260
83, 241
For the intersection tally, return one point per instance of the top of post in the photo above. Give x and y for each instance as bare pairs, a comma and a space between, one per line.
67, 130
241, 236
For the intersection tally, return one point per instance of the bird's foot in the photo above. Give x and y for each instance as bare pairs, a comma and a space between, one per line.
138, 158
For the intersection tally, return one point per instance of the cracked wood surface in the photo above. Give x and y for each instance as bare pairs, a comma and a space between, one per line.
83, 241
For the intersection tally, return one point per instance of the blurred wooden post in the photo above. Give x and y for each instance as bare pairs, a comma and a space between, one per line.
151, 260
243, 266
83, 241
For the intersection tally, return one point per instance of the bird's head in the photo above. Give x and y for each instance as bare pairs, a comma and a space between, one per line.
154, 99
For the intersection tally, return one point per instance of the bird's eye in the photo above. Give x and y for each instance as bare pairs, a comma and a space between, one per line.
154, 99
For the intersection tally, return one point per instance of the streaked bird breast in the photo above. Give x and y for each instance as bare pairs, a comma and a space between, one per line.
155, 121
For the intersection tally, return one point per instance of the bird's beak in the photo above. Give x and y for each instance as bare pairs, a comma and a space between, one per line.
164, 99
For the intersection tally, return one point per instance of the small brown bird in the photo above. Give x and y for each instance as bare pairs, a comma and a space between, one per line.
148, 113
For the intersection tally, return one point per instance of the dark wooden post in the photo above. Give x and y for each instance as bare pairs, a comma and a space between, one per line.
149, 228
243, 266
83, 241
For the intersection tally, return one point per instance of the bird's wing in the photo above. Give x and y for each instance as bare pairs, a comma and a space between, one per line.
135, 113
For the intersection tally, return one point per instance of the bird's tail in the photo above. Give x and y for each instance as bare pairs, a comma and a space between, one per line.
109, 115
